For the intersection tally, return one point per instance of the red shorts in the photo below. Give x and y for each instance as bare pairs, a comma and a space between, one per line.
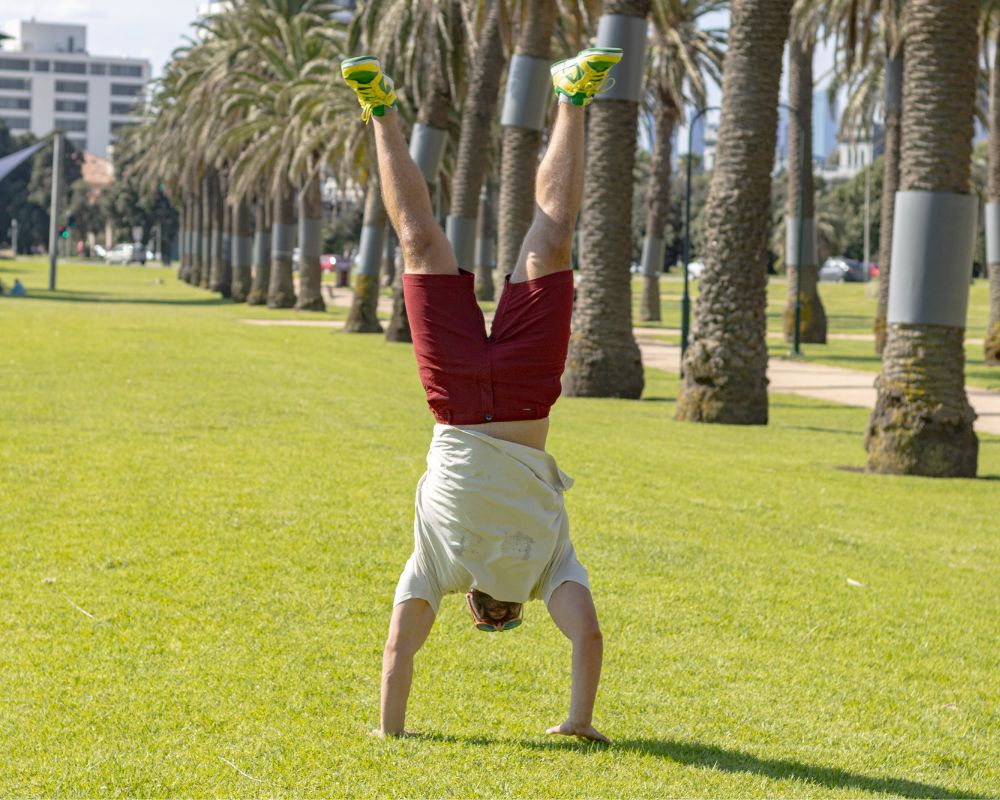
512, 374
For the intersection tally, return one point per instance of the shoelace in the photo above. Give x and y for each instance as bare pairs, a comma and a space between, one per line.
368, 96
596, 85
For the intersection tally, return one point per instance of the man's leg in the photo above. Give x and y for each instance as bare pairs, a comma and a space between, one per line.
404, 190
548, 245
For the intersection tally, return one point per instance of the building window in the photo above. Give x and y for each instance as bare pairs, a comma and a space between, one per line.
98, 69
127, 109
41, 65
71, 87
22, 103
15, 123
75, 125
117, 126
71, 67
79, 144
126, 70
18, 64
76, 106
126, 89
21, 84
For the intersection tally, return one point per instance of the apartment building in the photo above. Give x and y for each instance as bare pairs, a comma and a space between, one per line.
49, 80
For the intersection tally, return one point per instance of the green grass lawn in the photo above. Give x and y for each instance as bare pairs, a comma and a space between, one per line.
202, 522
850, 309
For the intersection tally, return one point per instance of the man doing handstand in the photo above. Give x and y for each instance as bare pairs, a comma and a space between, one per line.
489, 514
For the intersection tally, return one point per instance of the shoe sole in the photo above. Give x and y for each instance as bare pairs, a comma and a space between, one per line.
594, 51
358, 61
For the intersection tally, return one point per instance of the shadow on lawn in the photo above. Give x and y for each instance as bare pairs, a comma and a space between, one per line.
99, 297
736, 761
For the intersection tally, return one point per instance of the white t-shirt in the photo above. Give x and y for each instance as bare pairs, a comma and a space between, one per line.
489, 515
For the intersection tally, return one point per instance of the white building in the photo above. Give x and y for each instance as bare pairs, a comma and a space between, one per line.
49, 80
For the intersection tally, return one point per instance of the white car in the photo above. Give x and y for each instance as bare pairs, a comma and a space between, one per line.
123, 254
695, 268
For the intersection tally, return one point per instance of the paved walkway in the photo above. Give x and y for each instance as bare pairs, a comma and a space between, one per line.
834, 384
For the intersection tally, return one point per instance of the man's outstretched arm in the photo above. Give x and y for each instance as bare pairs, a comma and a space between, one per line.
411, 622
572, 609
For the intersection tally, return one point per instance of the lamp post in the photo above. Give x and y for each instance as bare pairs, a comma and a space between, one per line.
686, 298
797, 333
54, 208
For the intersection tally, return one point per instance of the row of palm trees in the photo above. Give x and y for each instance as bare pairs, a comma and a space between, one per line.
253, 114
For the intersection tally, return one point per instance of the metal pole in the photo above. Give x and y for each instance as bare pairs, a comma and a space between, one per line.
13, 235
797, 335
868, 199
686, 299
54, 208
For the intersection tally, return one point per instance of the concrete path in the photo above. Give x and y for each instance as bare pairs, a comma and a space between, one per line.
787, 376
834, 384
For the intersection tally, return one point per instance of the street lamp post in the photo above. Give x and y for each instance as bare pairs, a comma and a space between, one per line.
54, 208
686, 298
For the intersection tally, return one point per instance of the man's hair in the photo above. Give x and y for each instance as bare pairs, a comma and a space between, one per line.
487, 604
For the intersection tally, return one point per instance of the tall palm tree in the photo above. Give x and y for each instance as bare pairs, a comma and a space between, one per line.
922, 423
870, 39
242, 237
990, 37
604, 359
681, 53
805, 275
261, 251
477, 123
725, 367
363, 316
521, 136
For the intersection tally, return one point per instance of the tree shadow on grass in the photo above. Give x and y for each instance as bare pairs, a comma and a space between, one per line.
99, 297
735, 761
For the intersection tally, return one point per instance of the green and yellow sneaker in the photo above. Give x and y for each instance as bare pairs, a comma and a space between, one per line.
579, 78
375, 91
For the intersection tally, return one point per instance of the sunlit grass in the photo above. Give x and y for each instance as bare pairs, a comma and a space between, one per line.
202, 522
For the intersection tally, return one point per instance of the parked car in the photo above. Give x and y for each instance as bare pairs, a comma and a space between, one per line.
839, 269
125, 254
328, 263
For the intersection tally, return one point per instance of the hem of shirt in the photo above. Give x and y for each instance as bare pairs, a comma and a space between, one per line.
402, 598
584, 583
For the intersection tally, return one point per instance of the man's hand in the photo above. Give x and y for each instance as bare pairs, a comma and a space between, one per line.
581, 731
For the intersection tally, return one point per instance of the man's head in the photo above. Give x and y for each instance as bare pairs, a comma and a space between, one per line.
485, 609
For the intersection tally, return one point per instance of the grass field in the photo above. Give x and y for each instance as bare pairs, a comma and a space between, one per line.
202, 522
850, 309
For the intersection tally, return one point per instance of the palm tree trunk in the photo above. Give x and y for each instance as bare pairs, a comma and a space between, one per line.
261, 252
604, 359
521, 137
310, 245
991, 345
922, 423
363, 316
217, 280
281, 291
242, 251
812, 321
893, 109
208, 195
197, 243
485, 242
477, 119
657, 204
185, 227
725, 368
227, 241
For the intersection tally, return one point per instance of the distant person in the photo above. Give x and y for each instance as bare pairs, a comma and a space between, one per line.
18, 290
490, 518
